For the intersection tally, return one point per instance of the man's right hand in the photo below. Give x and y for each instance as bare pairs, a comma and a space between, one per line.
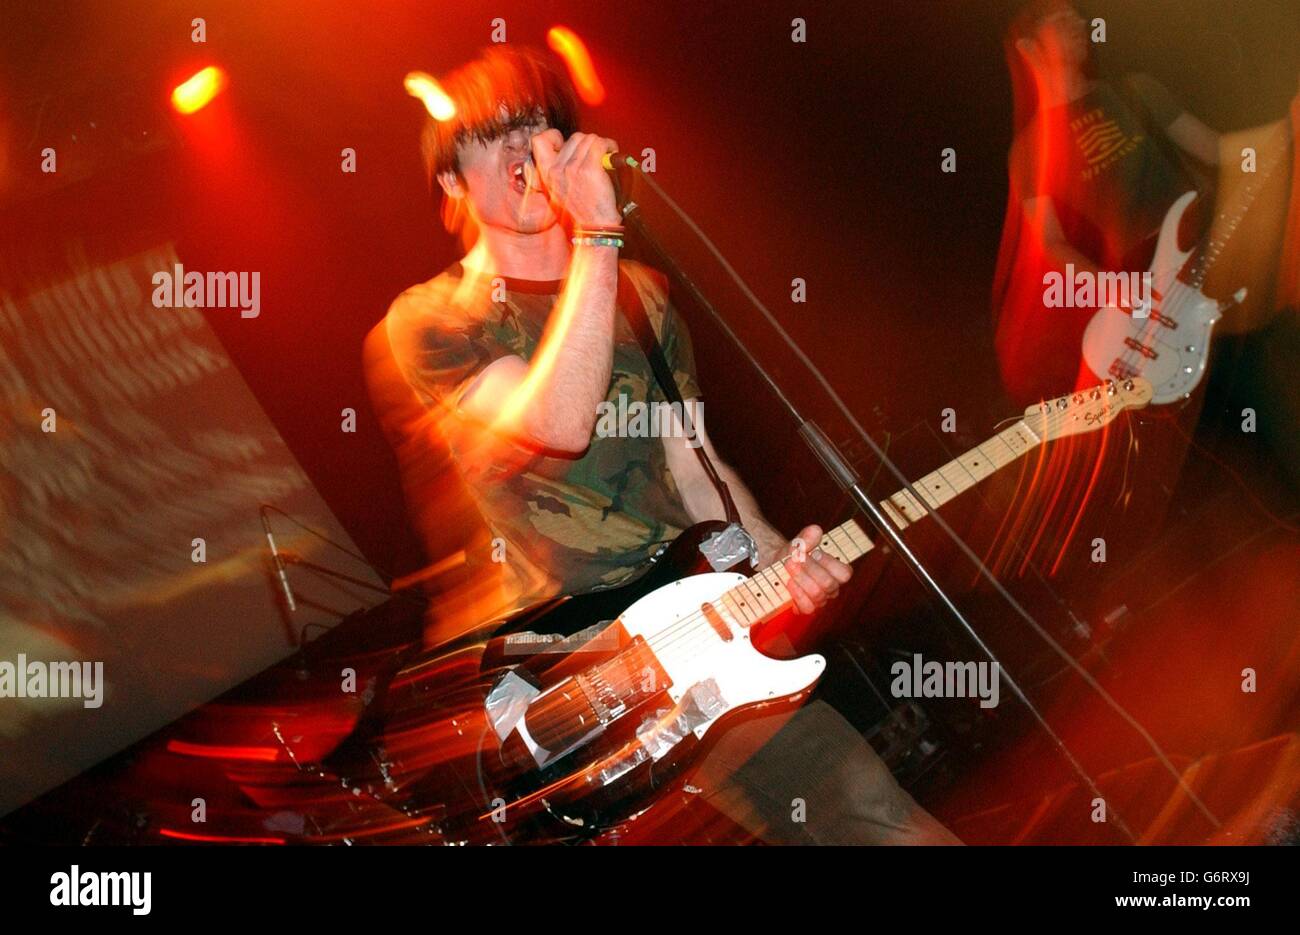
574, 179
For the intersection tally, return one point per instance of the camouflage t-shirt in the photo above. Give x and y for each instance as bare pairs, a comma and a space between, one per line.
563, 525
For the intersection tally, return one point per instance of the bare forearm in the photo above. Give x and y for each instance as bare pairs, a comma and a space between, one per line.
569, 374
703, 503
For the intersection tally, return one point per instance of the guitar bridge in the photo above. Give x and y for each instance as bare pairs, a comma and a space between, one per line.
624, 682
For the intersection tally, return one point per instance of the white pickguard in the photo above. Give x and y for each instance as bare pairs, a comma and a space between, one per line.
1180, 353
743, 675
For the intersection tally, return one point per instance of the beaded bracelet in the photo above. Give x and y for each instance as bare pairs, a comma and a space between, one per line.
598, 241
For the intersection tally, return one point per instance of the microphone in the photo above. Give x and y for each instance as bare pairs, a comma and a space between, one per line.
615, 161
618, 165
612, 162
279, 562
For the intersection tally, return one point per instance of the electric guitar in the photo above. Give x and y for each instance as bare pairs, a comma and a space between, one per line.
1167, 339
532, 738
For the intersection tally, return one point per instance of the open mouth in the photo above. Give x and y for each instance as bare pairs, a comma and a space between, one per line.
519, 176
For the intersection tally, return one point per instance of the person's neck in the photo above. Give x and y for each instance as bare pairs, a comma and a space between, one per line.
542, 256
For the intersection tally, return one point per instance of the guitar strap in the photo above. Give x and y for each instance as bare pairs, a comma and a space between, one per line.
630, 301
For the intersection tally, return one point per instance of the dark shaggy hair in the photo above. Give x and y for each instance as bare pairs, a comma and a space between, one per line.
520, 83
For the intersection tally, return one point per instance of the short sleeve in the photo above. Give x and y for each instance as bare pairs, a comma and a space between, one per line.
1164, 107
438, 353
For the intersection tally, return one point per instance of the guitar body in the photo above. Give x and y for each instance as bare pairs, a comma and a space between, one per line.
516, 741
1171, 346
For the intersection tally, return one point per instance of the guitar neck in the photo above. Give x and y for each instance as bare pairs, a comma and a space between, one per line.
1225, 225
765, 594
960, 474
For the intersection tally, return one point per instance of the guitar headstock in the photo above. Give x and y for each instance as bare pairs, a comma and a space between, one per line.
1087, 410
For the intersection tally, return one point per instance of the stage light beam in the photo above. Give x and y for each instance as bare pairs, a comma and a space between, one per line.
197, 91
566, 44
425, 87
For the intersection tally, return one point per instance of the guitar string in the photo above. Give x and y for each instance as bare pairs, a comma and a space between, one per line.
1015, 454
841, 531
1132, 359
687, 633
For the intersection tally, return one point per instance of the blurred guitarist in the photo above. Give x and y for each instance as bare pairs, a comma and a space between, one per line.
1094, 167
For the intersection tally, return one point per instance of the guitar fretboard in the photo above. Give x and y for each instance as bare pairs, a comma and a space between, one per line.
765, 594
960, 474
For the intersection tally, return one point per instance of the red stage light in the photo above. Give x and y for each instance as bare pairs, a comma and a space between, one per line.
213, 751
196, 92
568, 46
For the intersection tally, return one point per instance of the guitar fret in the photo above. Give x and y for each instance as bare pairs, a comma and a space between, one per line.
911, 507
1010, 447
892, 512
975, 465
848, 540
773, 574
959, 486
937, 486
959, 475
739, 609
923, 488
1198, 266
764, 599
994, 457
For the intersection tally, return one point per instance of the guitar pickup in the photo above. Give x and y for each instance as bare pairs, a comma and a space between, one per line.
621, 684
1141, 348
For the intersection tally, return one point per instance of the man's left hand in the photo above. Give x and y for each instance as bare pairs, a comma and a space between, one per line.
815, 577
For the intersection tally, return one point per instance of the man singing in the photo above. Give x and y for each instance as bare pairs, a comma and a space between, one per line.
518, 343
